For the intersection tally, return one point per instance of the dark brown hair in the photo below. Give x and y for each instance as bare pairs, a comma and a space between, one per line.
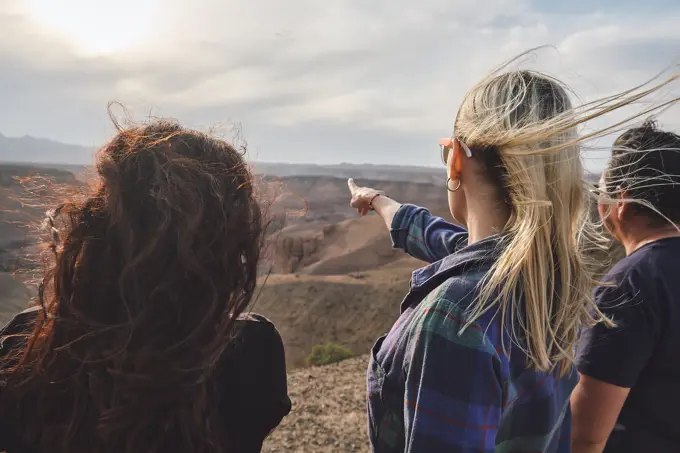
645, 164
150, 271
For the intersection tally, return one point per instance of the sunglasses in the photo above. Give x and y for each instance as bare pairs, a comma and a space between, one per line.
446, 145
598, 191
595, 189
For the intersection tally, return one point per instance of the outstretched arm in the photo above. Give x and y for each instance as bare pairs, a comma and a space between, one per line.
413, 229
425, 236
386, 208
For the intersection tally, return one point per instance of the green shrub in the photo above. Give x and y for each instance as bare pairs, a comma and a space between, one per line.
325, 354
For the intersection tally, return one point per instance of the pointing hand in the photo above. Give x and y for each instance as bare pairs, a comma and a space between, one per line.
362, 197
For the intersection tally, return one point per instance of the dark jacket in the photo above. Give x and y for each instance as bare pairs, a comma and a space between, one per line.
253, 398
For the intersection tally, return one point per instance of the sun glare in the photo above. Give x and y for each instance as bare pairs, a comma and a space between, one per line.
95, 27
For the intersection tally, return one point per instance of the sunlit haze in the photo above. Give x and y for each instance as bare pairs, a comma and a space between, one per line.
95, 27
310, 81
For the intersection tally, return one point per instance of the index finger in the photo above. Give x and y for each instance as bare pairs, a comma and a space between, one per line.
352, 185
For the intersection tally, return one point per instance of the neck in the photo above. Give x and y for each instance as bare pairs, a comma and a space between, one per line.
637, 239
484, 220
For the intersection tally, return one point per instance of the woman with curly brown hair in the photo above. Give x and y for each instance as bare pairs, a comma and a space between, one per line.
140, 342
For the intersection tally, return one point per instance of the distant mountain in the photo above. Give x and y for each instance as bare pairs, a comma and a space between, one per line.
29, 149
50, 153
53, 154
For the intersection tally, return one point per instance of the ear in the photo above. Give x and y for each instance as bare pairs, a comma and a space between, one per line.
621, 207
455, 163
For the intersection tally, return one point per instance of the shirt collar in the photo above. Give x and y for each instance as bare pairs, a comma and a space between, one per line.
480, 255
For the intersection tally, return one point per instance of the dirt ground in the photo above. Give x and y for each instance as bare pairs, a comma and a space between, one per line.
350, 311
329, 411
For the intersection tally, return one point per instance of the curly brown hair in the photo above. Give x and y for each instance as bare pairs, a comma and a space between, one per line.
151, 270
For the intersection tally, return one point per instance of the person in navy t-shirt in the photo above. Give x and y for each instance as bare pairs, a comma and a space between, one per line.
628, 398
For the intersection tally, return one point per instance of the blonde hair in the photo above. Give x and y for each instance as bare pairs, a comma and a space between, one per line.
541, 284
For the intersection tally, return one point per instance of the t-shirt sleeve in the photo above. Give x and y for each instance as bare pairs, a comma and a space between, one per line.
260, 399
267, 363
617, 355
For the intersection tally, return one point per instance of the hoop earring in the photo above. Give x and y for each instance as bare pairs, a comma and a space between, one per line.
455, 188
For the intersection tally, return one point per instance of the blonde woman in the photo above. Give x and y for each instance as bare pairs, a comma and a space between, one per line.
482, 357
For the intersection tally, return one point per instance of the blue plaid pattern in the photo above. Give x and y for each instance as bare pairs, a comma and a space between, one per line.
435, 387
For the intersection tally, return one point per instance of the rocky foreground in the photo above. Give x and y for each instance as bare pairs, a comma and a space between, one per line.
329, 411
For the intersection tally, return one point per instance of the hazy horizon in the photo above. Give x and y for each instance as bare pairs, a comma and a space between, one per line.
86, 162
309, 82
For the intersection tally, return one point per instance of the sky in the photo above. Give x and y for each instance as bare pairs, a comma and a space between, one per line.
359, 81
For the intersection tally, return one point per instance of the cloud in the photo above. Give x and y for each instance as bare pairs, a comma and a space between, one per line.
377, 81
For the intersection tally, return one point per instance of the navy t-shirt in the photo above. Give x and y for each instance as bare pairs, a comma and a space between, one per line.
643, 352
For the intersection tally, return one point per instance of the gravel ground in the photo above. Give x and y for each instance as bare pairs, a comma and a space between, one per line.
329, 411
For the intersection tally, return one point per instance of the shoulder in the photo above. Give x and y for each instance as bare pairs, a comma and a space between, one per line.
254, 321
648, 262
14, 335
443, 315
20, 319
255, 332
255, 354
459, 293
635, 277
20, 323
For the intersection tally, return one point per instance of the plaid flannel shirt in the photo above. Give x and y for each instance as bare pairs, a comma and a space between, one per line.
434, 387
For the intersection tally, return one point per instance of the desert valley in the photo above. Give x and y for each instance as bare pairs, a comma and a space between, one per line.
328, 275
